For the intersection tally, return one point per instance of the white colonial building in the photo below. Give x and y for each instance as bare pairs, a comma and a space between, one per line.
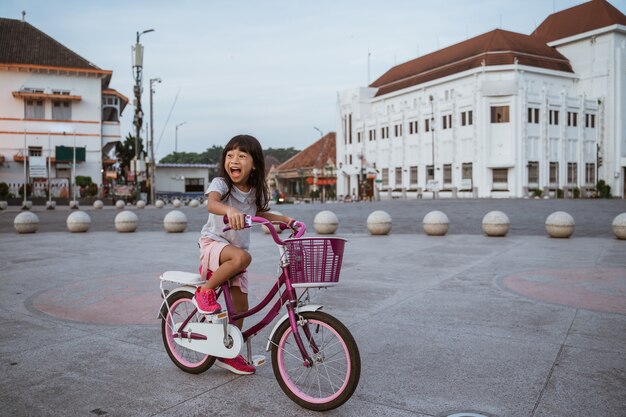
52, 102
499, 115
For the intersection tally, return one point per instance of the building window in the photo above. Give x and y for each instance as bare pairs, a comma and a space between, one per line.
385, 173
466, 176
554, 117
447, 175
427, 125
35, 150
33, 109
430, 173
590, 120
397, 130
554, 174
533, 115
533, 173
413, 175
350, 159
350, 128
359, 136
446, 121
572, 173
384, 132
413, 127
499, 114
572, 118
398, 177
500, 178
194, 184
590, 173
61, 110
466, 118
372, 134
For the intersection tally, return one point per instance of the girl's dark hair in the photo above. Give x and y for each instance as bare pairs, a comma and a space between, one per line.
248, 144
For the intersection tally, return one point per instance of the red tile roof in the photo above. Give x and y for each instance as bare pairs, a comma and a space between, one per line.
583, 18
498, 47
23, 43
314, 156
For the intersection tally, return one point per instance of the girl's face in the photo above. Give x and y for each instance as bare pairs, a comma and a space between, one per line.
239, 165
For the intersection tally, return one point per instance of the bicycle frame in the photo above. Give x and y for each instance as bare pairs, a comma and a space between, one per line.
287, 297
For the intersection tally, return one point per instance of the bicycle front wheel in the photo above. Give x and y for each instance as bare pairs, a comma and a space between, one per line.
181, 307
331, 378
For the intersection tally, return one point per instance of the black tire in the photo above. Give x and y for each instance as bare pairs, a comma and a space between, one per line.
336, 345
188, 360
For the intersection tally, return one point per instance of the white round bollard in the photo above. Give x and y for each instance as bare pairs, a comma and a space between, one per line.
194, 203
27, 205
326, 222
436, 223
26, 222
619, 226
496, 223
175, 222
177, 203
4, 205
74, 205
98, 204
51, 204
159, 204
119, 204
78, 222
126, 222
379, 223
141, 204
266, 230
560, 224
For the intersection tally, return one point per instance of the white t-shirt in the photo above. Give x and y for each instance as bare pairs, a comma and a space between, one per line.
246, 202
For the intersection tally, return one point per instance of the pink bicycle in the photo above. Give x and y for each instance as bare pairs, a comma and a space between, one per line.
314, 357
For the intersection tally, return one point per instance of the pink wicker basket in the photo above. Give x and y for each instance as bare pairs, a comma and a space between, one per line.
315, 262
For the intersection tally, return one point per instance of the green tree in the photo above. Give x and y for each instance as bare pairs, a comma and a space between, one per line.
282, 154
125, 152
213, 155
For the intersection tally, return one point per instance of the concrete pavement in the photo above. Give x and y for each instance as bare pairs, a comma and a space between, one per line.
518, 326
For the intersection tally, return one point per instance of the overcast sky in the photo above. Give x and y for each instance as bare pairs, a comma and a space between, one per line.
268, 68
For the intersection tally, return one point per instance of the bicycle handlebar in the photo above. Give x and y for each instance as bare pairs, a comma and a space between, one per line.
298, 227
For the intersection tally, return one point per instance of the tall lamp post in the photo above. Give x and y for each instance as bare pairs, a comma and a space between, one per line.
176, 137
152, 160
432, 138
137, 54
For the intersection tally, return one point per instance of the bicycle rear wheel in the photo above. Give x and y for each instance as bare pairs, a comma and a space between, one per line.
334, 374
188, 360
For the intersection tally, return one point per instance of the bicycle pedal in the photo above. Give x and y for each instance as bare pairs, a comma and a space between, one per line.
258, 360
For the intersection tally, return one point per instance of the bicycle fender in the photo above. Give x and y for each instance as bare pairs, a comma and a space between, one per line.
163, 310
309, 307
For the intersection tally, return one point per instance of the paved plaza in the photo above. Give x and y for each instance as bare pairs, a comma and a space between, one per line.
523, 325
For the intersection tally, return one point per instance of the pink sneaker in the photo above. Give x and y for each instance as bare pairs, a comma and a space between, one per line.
237, 365
205, 301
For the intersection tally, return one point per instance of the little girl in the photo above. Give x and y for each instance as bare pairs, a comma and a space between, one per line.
240, 190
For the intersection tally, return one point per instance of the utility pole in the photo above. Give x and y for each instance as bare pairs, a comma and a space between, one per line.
152, 160
137, 50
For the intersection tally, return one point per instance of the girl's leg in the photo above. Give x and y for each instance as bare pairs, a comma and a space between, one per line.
240, 301
232, 261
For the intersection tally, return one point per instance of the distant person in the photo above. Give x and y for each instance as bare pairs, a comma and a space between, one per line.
239, 190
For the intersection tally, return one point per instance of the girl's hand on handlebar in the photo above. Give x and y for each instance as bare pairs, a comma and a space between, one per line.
236, 218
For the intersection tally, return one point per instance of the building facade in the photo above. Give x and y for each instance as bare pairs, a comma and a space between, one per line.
308, 175
58, 117
499, 115
183, 180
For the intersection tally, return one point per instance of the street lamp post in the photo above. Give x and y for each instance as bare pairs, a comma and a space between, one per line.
152, 160
321, 133
176, 137
137, 50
